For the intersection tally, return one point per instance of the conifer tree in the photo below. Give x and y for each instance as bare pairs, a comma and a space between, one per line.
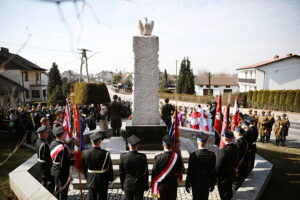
54, 78
164, 81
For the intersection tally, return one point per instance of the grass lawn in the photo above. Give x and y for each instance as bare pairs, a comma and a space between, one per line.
285, 180
7, 144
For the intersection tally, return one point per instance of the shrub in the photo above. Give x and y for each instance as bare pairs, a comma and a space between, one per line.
289, 103
249, 98
282, 100
276, 99
254, 98
271, 97
296, 106
57, 96
259, 97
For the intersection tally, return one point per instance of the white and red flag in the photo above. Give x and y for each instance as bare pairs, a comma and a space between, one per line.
218, 117
235, 121
67, 121
225, 124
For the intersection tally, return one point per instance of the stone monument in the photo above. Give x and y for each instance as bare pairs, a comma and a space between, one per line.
146, 122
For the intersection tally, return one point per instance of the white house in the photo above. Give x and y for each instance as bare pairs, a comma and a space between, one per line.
218, 84
275, 74
23, 81
105, 77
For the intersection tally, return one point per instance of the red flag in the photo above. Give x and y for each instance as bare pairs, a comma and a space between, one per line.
67, 121
176, 146
76, 119
225, 124
218, 117
235, 121
77, 149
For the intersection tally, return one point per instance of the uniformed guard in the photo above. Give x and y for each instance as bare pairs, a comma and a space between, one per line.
46, 123
201, 170
61, 157
278, 130
167, 112
270, 125
162, 169
241, 170
263, 122
255, 117
134, 171
59, 118
225, 163
285, 129
44, 159
97, 166
115, 111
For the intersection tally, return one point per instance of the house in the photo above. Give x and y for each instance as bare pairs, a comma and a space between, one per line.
218, 84
105, 77
21, 80
275, 74
171, 80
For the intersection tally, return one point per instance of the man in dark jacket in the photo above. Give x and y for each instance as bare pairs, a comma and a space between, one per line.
225, 163
134, 171
62, 160
44, 158
201, 172
115, 115
97, 168
167, 112
168, 185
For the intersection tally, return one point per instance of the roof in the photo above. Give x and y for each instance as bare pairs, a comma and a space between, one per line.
4, 81
231, 80
275, 59
17, 62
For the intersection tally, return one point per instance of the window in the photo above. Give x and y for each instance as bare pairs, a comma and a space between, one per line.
200, 85
246, 75
35, 94
251, 74
27, 94
216, 86
26, 76
227, 90
37, 76
207, 86
227, 86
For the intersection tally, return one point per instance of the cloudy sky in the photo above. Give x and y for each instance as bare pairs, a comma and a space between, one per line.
217, 35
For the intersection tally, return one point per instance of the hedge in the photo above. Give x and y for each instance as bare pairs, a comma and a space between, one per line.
284, 100
88, 93
186, 97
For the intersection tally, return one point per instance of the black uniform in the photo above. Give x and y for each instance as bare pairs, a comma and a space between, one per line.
201, 173
226, 161
134, 174
166, 114
60, 169
44, 163
98, 170
242, 165
251, 135
168, 186
115, 110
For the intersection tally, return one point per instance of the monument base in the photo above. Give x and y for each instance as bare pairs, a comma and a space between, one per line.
150, 135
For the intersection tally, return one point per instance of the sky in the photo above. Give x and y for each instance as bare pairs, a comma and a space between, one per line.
217, 35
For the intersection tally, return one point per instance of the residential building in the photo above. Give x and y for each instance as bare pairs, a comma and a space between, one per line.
105, 76
216, 84
275, 74
27, 81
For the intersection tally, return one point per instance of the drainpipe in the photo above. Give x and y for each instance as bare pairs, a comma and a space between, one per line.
264, 77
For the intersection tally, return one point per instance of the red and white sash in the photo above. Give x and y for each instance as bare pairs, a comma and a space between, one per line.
56, 151
163, 174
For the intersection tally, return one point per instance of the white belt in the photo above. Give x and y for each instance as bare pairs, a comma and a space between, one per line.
97, 171
57, 163
42, 161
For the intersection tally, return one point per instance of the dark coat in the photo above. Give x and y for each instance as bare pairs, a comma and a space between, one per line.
134, 171
225, 163
201, 171
167, 112
115, 110
242, 146
160, 163
93, 159
44, 158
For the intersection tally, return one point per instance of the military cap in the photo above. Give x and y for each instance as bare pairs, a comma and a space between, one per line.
263, 111
201, 137
43, 119
167, 140
133, 140
42, 129
283, 115
246, 123
250, 120
96, 136
214, 102
58, 112
239, 129
228, 134
58, 130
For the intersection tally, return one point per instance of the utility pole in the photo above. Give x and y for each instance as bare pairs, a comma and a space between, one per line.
209, 77
176, 79
84, 57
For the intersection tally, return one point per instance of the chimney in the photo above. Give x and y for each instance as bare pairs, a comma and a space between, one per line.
276, 56
289, 54
3, 49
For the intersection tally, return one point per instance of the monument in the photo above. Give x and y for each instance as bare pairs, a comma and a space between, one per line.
146, 122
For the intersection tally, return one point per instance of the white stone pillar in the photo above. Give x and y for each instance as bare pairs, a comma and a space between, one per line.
145, 81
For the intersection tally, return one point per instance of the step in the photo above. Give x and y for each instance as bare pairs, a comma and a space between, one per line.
117, 183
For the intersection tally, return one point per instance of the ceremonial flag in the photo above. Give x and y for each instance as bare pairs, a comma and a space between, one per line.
235, 121
205, 122
79, 139
225, 124
218, 117
67, 121
174, 132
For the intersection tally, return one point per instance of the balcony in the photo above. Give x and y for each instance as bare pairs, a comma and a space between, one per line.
246, 80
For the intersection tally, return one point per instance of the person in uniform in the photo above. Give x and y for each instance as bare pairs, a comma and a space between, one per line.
115, 115
62, 160
97, 167
263, 122
44, 158
167, 186
270, 125
285, 129
59, 118
278, 130
241, 168
255, 117
167, 112
225, 163
134, 171
250, 113
201, 170
45, 122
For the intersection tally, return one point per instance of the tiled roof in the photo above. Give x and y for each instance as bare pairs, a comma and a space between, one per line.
217, 80
4, 81
275, 59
